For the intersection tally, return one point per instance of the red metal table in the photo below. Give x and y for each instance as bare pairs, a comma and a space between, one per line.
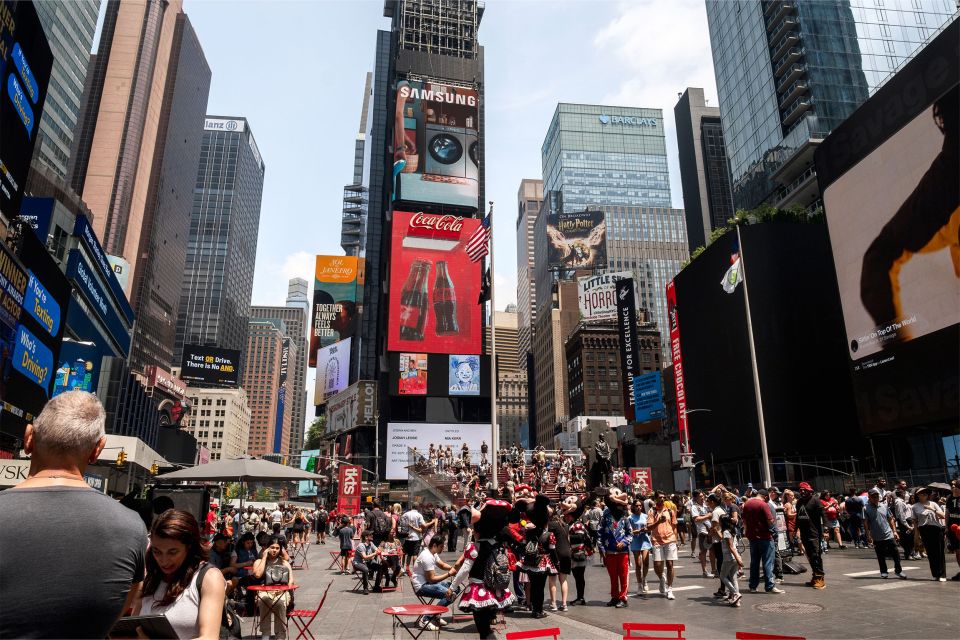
415, 611
262, 588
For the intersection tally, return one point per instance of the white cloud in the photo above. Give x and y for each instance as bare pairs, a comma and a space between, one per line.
271, 278
662, 48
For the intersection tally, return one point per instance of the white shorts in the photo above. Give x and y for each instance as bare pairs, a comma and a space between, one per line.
664, 552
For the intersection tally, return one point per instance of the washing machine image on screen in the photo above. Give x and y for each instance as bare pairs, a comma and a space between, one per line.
473, 155
446, 155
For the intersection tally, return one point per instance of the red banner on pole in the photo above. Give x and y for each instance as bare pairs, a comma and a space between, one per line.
642, 474
673, 318
348, 502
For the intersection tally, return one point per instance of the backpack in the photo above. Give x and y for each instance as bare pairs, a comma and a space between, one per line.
496, 573
531, 553
381, 523
403, 527
229, 620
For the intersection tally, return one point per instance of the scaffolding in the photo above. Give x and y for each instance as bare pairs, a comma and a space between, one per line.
443, 27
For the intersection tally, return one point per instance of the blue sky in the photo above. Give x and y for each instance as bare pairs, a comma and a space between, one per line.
295, 69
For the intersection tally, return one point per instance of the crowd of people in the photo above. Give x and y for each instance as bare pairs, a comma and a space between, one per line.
515, 548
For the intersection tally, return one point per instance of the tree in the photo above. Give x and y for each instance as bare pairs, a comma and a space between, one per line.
316, 431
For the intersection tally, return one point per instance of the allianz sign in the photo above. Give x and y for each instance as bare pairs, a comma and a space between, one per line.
637, 122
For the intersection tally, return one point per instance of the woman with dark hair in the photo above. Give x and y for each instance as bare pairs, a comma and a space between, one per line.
173, 567
275, 570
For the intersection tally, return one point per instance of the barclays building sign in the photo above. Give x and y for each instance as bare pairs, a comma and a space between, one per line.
628, 120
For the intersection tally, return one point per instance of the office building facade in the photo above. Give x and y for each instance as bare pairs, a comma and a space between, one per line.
511, 375
217, 279
298, 291
555, 321
355, 194
707, 200
69, 26
220, 421
135, 154
789, 71
263, 378
295, 321
529, 203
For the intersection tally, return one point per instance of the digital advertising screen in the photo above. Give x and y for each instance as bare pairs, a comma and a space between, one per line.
437, 157
333, 370
25, 64
210, 365
577, 240
891, 195
78, 369
464, 375
434, 285
334, 315
404, 436
413, 374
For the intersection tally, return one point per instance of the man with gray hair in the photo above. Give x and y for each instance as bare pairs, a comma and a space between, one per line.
78, 583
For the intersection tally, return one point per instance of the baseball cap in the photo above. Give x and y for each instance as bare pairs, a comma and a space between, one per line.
805, 486
874, 492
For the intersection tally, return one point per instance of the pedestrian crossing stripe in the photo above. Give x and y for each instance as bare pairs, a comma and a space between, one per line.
899, 584
873, 572
688, 587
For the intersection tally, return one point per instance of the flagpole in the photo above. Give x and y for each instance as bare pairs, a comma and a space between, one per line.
764, 455
495, 432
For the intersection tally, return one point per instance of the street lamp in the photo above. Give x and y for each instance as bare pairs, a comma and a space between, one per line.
686, 458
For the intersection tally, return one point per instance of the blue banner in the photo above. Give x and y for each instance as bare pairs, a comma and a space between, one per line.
20, 103
648, 396
84, 231
39, 303
30, 83
32, 358
80, 272
278, 425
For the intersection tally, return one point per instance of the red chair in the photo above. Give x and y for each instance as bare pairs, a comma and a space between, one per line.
299, 615
535, 633
662, 631
746, 635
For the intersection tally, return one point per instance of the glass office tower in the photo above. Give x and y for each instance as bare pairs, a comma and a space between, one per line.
789, 71
600, 155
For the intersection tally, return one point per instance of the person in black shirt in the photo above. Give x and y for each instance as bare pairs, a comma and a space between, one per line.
953, 519
562, 560
810, 526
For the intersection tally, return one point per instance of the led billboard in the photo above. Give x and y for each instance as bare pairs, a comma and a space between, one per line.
413, 374
402, 437
210, 365
333, 370
436, 143
577, 240
25, 63
891, 195
464, 375
334, 313
434, 286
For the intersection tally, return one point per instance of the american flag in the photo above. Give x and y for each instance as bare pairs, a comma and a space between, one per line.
478, 246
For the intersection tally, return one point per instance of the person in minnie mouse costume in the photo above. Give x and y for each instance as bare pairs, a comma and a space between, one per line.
486, 569
615, 538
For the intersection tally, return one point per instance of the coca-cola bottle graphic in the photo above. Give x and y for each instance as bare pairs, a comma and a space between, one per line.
444, 302
413, 301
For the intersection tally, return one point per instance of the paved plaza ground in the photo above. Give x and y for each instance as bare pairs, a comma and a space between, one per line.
857, 603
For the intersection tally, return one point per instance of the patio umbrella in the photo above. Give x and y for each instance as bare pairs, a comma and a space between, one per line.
240, 470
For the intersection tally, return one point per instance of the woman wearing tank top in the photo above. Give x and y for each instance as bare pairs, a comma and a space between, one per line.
174, 564
275, 571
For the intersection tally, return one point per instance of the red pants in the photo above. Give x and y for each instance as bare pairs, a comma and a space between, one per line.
618, 567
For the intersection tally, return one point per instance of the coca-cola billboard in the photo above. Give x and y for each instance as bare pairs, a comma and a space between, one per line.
434, 286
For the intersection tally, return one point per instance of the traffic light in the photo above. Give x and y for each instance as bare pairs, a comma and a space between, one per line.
154, 469
121, 458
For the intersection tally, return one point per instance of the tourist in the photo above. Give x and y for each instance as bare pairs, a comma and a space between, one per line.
640, 546
760, 525
365, 556
700, 519
810, 526
732, 562
929, 529
410, 528
344, 533
882, 532
662, 523
274, 571
428, 580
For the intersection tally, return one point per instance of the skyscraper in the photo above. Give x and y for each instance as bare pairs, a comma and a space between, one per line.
69, 26
294, 319
512, 417
789, 71
614, 159
355, 194
298, 291
264, 374
136, 153
707, 202
529, 202
217, 280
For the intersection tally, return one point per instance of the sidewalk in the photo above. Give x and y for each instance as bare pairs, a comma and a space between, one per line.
857, 603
